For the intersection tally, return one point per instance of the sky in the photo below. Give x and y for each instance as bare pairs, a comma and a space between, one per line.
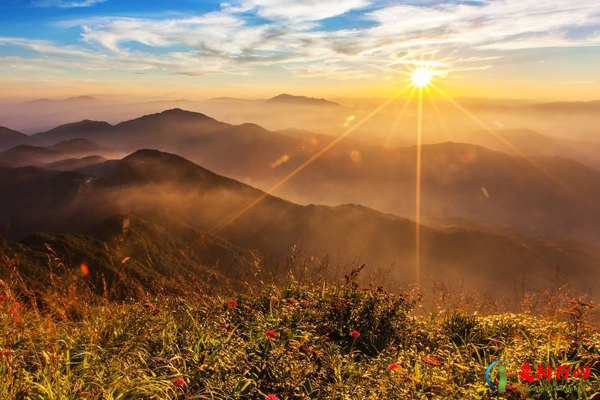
526, 49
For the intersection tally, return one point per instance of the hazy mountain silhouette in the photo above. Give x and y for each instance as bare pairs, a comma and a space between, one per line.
288, 99
25, 155
168, 189
71, 164
529, 142
10, 139
83, 129
547, 196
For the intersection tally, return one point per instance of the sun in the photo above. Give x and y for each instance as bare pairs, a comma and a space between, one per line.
421, 77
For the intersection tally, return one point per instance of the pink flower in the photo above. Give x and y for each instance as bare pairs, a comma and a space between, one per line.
232, 304
179, 383
393, 367
271, 397
271, 334
355, 334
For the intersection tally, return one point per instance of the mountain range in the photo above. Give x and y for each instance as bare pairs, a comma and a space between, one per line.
493, 219
167, 190
539, 195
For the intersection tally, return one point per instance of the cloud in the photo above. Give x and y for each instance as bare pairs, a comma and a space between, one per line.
247, 34
301, 10
67, 3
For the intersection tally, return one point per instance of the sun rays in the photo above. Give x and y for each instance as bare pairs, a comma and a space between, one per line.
421, 79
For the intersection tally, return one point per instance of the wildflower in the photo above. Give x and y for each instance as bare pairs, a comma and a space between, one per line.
232, 304
121, 306
325, 337
179, 383
271, 334
355, 334
271, 397
2, 298
393, 367
495, 340
84, 269
17, 305
6, 352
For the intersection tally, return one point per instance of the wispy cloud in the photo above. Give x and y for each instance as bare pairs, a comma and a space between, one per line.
67, 3
249, 33
301, 10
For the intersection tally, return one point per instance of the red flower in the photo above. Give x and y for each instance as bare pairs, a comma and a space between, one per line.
2, 298
496, 340
393, 367
271, 334
6, 352
355, 334
271, 397
232, 304
179, 383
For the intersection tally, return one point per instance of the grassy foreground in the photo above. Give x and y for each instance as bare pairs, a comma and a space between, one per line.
296, 342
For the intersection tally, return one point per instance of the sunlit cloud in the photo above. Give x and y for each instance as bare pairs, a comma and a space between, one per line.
247, 34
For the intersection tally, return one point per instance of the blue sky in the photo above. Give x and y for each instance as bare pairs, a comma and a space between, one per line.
323, 46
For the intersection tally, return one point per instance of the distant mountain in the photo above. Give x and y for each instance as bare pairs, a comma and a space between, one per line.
459, 180
288, 99
71, 164
79, 100
156, 130
28, 155
169, 190
10, 138
564, 107
529, 142
83, 129
24, 155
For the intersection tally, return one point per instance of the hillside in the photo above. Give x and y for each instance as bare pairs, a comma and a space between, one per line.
294, 342
129, 256
526, 141
71, 164
25, 155
84, 129
164, 188
10, 139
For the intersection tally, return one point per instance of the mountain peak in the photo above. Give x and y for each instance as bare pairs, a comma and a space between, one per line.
285, 98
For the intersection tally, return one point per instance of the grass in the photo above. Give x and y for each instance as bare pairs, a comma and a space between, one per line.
299, 341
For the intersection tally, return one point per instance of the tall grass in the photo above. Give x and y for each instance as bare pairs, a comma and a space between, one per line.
293, 341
